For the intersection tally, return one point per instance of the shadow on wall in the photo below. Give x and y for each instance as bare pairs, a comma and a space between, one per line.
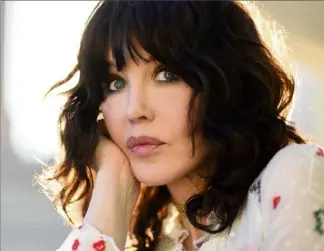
28, 220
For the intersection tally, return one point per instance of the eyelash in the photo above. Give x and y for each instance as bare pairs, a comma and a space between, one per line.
162, 68
159, 69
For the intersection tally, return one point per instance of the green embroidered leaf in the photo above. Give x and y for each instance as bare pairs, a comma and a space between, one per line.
319, 220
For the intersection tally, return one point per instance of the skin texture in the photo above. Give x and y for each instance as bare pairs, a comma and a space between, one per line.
148, 106
145, 106
115, 193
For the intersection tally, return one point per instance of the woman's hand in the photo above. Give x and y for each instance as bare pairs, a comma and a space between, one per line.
115, 192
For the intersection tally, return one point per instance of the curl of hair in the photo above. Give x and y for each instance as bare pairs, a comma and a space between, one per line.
215, 47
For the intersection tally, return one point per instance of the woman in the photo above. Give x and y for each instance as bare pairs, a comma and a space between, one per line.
176, 136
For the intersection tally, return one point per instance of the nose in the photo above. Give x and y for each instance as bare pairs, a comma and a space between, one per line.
139, 109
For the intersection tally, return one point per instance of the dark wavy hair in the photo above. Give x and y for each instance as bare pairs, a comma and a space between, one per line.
215, 47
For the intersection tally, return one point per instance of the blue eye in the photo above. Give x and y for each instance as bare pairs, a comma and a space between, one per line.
163, 75
166, 76
116, 85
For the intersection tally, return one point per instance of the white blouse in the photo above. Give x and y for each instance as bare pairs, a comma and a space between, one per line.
284, 212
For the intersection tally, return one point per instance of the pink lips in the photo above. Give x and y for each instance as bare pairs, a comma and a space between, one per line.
143, 145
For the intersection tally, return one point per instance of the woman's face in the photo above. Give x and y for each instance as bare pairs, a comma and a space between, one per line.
145, 114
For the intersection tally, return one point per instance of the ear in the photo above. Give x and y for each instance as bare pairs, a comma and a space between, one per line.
100, 115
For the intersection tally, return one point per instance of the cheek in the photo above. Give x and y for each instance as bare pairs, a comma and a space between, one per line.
172, 110
113, 113
169, 106
174, 163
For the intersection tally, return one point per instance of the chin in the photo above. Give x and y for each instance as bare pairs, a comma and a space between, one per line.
156, 175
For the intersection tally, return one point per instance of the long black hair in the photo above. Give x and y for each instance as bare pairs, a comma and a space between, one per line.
215, 47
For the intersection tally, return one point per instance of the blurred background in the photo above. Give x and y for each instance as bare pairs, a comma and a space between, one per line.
39, 43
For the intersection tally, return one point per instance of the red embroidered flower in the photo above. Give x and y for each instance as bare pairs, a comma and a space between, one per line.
276, 201
99, 245
320, 152
75, 245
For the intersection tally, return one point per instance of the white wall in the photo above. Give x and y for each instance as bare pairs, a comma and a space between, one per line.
39, 42
41, 39
303, 21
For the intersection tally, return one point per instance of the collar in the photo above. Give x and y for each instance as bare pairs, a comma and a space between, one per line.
174, 231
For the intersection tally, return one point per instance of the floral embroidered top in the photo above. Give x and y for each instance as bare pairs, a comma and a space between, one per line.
284, 212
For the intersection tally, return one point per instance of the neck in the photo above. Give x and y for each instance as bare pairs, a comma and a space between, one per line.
181, 190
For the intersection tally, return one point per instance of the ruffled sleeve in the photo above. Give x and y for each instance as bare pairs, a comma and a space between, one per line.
292, 200
88, 238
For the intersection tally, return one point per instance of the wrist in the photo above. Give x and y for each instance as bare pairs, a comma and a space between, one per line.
110, 209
